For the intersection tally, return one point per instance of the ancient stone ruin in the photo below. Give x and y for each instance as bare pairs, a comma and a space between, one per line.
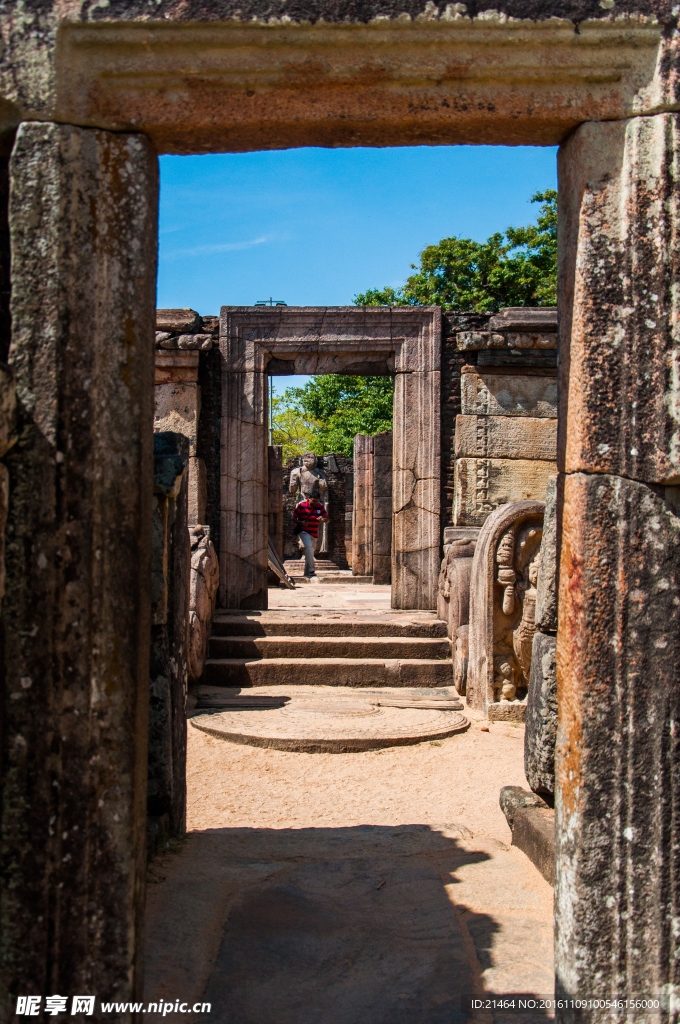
91, 95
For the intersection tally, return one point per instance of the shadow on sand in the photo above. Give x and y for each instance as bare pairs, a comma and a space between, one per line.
350, 926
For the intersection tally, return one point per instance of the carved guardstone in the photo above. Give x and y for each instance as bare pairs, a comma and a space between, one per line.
502, 609
541, 715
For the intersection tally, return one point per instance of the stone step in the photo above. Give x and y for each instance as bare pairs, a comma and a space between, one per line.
333, 578
302, 647
322, 564
267, 624
354, 672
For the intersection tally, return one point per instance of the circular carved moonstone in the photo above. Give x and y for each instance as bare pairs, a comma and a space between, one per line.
330, 708
315, 725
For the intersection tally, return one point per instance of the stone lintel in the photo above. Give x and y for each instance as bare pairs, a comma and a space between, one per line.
301, 80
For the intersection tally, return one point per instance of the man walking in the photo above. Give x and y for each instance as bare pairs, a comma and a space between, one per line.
307, 515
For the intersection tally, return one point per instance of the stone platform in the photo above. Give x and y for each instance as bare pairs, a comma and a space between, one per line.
318, 719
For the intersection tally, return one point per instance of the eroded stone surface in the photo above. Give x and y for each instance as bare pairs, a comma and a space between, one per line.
83, 220
177, 408
203, 592
541, 716
619, 308
546, 597
488, 393
483, 485
506, 437
617, 761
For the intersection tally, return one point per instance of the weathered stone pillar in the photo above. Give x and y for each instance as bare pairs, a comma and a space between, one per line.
618, 646
382, 508
83, 221
416, 538
170, 579
244, 476
362, 510
275, 496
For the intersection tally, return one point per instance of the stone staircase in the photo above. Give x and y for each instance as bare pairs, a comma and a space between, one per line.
344, 648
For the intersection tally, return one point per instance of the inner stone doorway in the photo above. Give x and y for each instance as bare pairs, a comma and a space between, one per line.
403, 342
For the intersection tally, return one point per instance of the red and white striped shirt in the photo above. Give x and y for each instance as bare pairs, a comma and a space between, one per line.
308, 515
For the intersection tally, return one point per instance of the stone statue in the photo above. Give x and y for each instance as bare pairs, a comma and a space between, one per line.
523, 636
308, 481
517, 563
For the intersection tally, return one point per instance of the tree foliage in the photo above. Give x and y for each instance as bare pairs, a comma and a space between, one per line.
340, 407
517, 268
294, 430
514, 268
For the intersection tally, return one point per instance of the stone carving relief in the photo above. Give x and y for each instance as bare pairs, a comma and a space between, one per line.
205, 574
517, 560
503, 609
453, 600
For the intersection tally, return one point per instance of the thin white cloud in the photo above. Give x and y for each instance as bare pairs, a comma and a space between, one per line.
209, 250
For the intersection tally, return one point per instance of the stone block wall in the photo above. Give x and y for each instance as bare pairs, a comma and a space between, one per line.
505, 437
182, 337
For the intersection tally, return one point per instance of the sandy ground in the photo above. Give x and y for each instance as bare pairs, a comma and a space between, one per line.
365, 888
454, 780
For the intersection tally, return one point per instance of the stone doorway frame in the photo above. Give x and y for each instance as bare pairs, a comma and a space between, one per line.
95, 93
402, 341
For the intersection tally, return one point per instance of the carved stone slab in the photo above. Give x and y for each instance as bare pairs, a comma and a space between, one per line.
506, 437
332, 725
482, 485
484, 393
500, 589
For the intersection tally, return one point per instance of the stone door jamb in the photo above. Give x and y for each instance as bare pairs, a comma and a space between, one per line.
403, 341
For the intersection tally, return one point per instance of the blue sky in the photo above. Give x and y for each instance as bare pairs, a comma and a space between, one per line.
315, 226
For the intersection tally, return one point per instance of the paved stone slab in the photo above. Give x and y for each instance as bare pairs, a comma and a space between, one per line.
506, 437
482, 485
534, 834
485, 393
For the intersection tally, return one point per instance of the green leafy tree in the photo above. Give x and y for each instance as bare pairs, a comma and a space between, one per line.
339, 407
517, 268
296, 432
